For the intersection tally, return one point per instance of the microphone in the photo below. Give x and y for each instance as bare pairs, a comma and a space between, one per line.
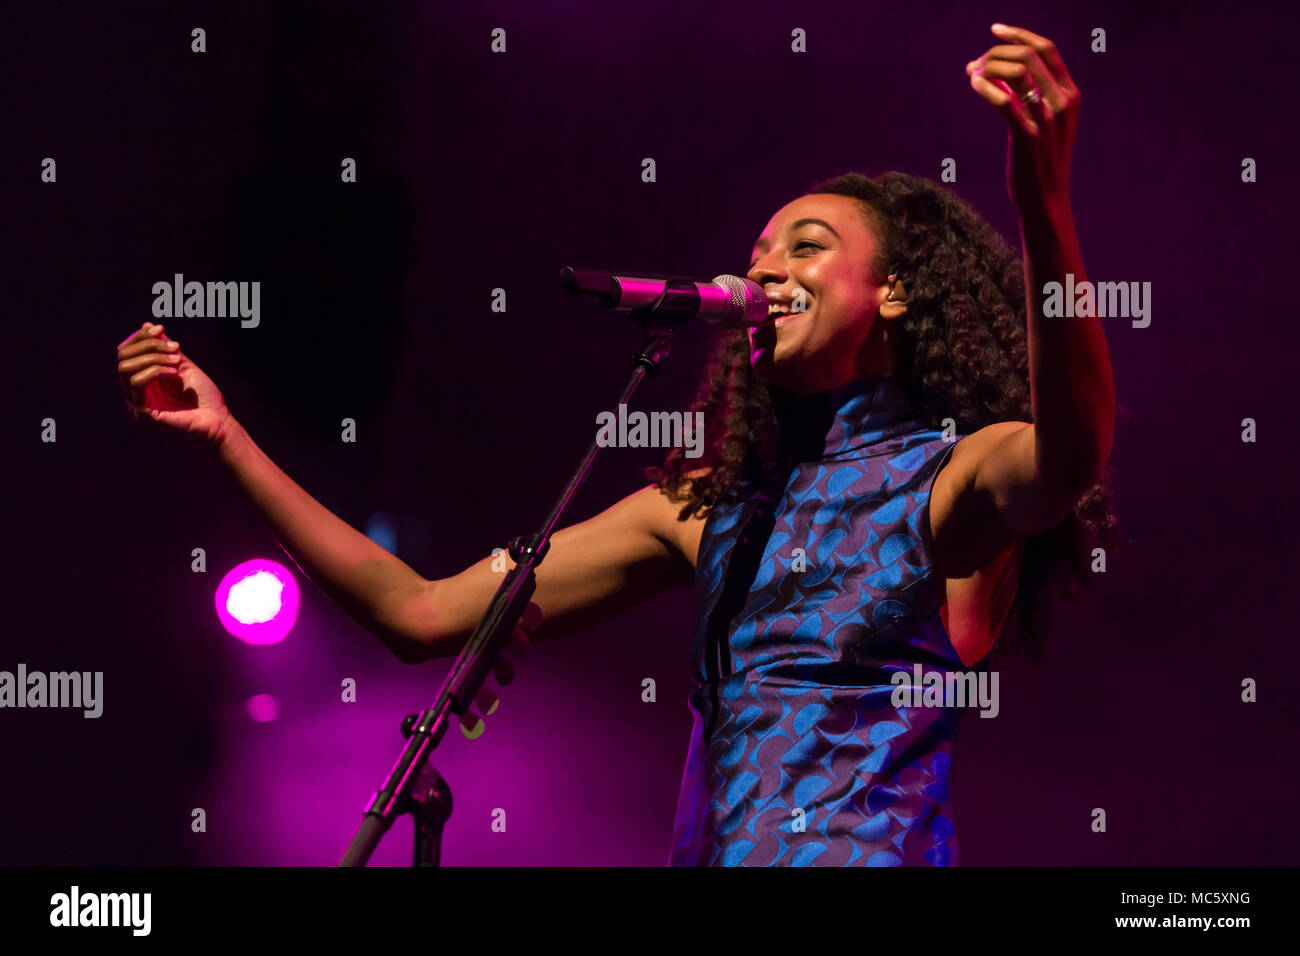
728, 302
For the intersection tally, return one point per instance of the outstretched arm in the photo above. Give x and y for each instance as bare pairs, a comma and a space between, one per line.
629, 551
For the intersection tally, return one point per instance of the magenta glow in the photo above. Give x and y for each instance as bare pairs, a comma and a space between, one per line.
257, 601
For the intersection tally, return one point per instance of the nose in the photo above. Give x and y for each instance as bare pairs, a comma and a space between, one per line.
765, 268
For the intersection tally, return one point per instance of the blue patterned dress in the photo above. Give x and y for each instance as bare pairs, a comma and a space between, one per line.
810, 595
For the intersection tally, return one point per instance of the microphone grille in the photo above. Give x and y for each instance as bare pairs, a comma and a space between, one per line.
748, 300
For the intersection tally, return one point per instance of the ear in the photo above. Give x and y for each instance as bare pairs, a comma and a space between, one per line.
893, 298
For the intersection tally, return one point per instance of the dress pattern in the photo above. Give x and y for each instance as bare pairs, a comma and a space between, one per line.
810, 595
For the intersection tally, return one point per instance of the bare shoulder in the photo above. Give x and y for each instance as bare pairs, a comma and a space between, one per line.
680, 535
959, 471
967, 533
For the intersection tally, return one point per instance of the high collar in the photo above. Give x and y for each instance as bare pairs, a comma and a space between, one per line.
843, 420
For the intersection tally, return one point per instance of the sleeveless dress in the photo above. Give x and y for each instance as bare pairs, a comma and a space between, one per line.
810, 595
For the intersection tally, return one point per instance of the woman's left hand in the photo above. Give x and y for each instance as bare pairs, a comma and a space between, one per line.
1041, 128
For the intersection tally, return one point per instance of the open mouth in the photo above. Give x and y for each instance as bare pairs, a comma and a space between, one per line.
778, 319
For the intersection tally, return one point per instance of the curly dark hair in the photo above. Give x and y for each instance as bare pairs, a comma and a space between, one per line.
963, 354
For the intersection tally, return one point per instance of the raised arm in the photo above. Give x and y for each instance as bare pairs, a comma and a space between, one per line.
1032, 475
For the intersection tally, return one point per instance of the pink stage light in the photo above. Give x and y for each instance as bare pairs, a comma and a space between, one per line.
263, 708
257, 601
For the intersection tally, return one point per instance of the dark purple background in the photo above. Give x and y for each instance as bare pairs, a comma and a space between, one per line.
479, 170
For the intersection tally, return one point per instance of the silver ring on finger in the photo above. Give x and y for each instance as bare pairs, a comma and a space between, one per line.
1033, 96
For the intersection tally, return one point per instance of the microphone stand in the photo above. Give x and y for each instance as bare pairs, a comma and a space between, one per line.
413, 785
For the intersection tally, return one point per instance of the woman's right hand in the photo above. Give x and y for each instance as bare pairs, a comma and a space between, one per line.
159, 381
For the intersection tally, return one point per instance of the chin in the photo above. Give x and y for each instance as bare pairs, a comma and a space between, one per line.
770, 370
769, 358
783, 362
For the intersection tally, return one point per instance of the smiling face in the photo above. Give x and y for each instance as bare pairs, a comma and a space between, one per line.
821, 245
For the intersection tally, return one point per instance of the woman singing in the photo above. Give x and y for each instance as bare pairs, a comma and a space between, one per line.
903, 458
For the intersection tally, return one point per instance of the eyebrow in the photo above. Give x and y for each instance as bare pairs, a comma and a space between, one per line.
763, 243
